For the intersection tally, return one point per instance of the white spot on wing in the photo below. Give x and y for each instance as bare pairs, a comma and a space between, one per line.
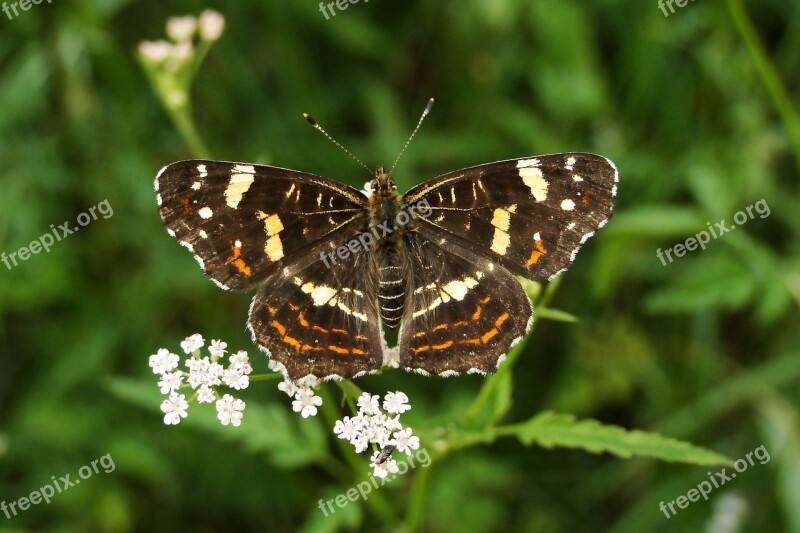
202, 170
205, 212
570, 163
567, 205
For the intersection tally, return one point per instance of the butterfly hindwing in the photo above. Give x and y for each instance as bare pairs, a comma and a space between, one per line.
321, 321
463, 311
244, 222
529, 214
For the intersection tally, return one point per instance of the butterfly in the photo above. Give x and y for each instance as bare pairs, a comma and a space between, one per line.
334, 265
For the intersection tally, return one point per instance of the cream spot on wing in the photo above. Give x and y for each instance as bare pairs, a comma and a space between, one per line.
512, 208
239, 184
321, 294
575, 177
570, 163
567, 205
237, 243
501, 219
291, 190
196, 186
500, 242
533, 178
202, 170
537, 236
319, 200
570, 225
360, 316
272, 223
458, 289
274, 248
245, 169
522, 163
203, 234
205, 212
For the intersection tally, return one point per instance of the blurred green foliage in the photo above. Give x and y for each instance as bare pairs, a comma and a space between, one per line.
698, 111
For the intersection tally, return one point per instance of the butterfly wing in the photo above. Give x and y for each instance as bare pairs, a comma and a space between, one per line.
531, 215
321, 321
245, 222
463, 312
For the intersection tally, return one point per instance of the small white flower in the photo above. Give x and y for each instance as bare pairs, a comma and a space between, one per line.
393, 424
211, 25
217, 348
389, 466
236, 379
163, 361
404, 441
375, 430
170, 382
203, 371
193, 343
174, 408
240, 361
229, 410
182, 51
346, 429
181, 28
308, 382
288, 386
306, 403
155, 51
368, 404
205, 394
396, 402
361, 443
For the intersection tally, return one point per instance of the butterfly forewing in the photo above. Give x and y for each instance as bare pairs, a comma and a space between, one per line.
246, 222
531, 214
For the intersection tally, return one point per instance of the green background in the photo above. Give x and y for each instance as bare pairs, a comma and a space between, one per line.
697, 111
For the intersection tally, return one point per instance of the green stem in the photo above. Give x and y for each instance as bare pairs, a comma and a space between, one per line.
416, 501
184, 122
769, 76
265, 377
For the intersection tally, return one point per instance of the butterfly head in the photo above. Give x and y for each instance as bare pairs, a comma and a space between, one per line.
382, 184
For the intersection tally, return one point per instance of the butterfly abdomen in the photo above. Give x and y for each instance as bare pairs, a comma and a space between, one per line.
390, 253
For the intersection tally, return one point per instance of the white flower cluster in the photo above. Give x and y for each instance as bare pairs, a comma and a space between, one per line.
305, 401
204, 373
208, 26
167, 58
374, 426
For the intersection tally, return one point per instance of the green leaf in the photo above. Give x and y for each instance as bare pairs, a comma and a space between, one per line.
547, 313
551, 429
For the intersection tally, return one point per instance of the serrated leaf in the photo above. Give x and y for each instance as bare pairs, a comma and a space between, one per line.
551, 430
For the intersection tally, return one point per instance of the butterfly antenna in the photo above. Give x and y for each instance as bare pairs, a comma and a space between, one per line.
334, 141
424, 114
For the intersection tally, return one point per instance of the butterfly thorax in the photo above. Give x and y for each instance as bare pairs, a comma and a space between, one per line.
385, 204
